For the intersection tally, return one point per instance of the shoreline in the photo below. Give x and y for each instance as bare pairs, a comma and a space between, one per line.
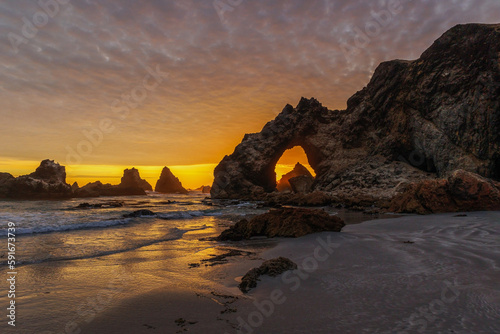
400, 255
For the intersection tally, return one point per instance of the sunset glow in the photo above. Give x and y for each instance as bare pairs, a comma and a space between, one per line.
181, 83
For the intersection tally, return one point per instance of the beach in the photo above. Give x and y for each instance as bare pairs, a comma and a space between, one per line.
432, 274
411, 274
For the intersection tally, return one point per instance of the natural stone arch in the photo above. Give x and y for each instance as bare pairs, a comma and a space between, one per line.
442, 107
250, 170
291, 158
271, 174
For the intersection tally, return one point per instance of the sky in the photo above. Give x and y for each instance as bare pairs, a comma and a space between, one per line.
100, 86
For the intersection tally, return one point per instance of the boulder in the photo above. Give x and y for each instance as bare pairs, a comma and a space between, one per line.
140, 213
283, 222
273, 268
169, 184
415, 120
461, 191
298, 170
301, 184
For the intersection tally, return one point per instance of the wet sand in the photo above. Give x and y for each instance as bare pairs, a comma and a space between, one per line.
414, 274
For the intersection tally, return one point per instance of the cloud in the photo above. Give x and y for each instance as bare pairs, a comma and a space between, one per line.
225, 77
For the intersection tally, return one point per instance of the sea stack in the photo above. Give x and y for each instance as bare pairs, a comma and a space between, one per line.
48, 181
131, 184
132, 179
169, 184
298, 170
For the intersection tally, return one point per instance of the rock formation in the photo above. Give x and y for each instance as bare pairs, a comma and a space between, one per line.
204, 189
47, 182
298, 170
169, 184
131, 184
301, 184
6, 181
132, 180
415, 120
273, 268
286, 222
462, 191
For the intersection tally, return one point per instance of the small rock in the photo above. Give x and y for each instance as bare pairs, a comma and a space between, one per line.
273, 268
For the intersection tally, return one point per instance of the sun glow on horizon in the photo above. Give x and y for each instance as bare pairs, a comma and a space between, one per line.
191, 176
289, 159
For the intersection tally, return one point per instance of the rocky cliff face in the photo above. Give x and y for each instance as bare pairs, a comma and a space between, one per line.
169, 184
415, 120
47, 182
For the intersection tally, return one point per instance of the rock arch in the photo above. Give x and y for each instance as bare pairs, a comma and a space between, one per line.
250, 170
442, 108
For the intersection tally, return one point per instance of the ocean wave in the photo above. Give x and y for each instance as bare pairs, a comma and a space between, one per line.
188, 214
173, 234
71, 227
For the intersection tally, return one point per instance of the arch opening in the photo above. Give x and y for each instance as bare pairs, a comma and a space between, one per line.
294, 165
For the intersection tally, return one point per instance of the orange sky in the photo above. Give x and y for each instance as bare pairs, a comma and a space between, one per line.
107, 85
191, 176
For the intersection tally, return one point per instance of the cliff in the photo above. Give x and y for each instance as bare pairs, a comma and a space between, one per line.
415, 120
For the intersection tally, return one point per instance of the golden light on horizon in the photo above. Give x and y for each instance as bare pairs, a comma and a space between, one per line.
289, 159
191, 176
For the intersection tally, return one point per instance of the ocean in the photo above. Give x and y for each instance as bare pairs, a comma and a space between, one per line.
68, 251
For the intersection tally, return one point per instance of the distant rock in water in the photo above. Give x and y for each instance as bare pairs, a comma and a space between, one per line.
285, 222
301, 184
273, 268
75, 186
298, 170
132, 180
415, 120
140, 213
169, 184
47, 182
105, 205
204, 189
131, 184
462, 191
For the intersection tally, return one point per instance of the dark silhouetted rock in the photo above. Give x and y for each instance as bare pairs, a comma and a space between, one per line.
113, 204
132, 180
139, 213
6, 181
284, 222
415, 120
298, 170
75, 187
301, 184
204, 189
273, 268
47, 182
131, 184
169, 184
462, 191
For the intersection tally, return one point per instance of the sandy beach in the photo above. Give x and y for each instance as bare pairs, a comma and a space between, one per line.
414, 274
